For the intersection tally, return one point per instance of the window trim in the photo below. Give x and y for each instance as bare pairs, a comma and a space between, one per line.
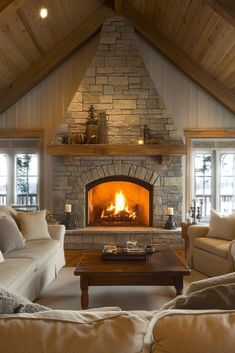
193, 134
31, 133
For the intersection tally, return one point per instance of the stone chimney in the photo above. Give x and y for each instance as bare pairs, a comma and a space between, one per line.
118, 83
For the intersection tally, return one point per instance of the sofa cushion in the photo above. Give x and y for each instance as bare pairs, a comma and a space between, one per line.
14, 271
219, 247
33, 225
184, 331
209, 282
10, 236
14, 303
221, 296
39, 251
73, 332
222, 226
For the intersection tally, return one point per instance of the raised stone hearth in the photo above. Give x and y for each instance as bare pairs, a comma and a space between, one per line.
95, 238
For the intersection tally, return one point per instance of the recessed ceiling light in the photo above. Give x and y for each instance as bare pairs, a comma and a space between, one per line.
43, 12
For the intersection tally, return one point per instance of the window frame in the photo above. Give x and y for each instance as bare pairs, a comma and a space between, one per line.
192, 134
27, 134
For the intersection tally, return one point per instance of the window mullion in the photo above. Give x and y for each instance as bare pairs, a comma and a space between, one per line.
215, 181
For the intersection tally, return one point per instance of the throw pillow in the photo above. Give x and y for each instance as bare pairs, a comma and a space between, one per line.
12, 303
1, 257
210, 282
8, 210
33, 225
220, 297
222, 226
10, 236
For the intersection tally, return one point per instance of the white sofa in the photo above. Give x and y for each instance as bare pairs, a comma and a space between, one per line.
106, 330
29, 270
209, 255
168, 331
212, 246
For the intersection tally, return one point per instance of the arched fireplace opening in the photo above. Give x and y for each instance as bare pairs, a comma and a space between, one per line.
119, 201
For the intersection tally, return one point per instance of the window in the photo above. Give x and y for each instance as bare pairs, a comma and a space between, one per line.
213, 175
202, 179
20, 172
3, 179
227, 182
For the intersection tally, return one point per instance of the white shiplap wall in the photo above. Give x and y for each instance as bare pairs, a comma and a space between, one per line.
187, 103
44, 106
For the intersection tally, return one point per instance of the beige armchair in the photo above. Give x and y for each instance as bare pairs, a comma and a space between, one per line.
208, 255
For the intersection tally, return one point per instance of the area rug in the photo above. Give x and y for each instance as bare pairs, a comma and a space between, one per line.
64, 293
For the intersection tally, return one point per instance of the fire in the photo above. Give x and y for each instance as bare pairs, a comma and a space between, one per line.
119, 207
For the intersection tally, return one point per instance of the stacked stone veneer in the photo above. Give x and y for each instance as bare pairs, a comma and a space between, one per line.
118, 82
70, 180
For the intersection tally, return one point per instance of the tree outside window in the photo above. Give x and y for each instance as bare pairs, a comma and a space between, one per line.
26, 179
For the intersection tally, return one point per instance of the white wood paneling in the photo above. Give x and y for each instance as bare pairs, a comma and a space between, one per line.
188, 104
45, 105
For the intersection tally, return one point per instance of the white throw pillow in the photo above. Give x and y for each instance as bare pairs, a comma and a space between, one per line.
1, 257
33, 225
222, 226
10, 236
8, 210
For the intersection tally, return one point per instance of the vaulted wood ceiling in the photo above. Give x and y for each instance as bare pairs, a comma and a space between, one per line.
198, 36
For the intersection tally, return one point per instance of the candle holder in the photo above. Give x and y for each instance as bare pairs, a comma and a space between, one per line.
170, 223
69, 221
196, 211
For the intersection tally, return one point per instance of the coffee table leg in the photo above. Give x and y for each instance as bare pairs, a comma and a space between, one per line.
179, 285
84, 289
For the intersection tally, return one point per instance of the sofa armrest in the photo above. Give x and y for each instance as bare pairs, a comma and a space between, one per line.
231, 253
196, 231
183, 331
57, 232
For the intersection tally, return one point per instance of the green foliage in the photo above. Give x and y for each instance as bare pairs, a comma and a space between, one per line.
206, 164
23, 164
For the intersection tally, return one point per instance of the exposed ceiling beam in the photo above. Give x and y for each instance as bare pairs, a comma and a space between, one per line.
225, 8
182, 61
44, 66
8, 6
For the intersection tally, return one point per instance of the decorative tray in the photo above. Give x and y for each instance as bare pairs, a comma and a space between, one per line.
123, 253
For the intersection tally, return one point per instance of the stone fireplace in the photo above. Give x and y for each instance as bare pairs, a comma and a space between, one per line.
118, 83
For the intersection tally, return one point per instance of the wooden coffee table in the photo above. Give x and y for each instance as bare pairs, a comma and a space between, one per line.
163, 268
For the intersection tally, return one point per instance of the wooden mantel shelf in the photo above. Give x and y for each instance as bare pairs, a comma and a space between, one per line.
117, 150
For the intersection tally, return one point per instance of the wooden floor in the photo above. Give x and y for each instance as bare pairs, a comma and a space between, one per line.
72, 256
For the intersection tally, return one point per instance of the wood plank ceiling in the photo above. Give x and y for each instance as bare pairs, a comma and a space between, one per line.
196, 35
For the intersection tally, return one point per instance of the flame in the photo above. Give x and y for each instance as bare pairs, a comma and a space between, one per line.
120, 204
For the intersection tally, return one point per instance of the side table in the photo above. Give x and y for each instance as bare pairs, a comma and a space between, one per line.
184, 234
